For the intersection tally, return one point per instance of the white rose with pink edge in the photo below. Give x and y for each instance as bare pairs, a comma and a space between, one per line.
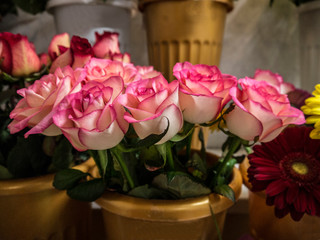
153, 104
260, 111
204, 91
40, 100
92, 117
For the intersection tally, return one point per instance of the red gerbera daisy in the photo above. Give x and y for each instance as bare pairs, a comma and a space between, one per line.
288, 169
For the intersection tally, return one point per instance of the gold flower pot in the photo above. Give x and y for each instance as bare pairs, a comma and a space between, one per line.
31, 209
130, 218
184, 30
264, 225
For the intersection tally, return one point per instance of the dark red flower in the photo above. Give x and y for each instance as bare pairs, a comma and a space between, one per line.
288, 169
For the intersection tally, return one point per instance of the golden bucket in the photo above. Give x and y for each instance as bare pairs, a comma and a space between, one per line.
130, 218
184, 30
31, 209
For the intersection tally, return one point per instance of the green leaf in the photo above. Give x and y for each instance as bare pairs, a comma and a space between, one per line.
152, 158
226, 191
68, 178
143, 143
186, 131
197, 163
113, 177
147, 192
4, 173
8, 78
162, 149
87, 191
181, 185
62, 156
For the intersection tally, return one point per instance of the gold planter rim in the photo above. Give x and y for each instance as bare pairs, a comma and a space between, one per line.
169, 210
35, 184
26, 185
143, 3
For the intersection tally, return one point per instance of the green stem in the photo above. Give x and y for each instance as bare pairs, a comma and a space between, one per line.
215, 222
125, 170
232, 148
169, 155
100, 158
188, 147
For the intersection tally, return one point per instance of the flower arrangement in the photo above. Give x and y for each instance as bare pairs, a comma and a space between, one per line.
138, 126
20, 66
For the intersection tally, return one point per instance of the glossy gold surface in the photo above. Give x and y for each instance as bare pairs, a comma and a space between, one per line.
31, 208
184, 30
264, 225
132, 218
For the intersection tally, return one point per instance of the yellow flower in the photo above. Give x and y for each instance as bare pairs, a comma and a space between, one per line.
312, 109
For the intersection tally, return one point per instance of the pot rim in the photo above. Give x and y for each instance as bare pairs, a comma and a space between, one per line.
169, 210
129, 4
36, 184
143, 3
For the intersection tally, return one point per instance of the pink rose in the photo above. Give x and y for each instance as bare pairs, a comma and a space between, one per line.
92, 118
204, 91
260, 111
79, 53
107, 47
102, 69
40, 100
152, 104
147, 72
275, 80
17, 55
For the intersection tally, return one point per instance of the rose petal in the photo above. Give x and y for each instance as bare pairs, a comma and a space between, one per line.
171, 115
243, 124
101, 140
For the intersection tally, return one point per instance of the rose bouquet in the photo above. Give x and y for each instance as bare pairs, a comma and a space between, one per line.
20, 66
138, 126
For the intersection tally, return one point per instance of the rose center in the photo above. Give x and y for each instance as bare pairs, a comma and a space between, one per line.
145, 91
